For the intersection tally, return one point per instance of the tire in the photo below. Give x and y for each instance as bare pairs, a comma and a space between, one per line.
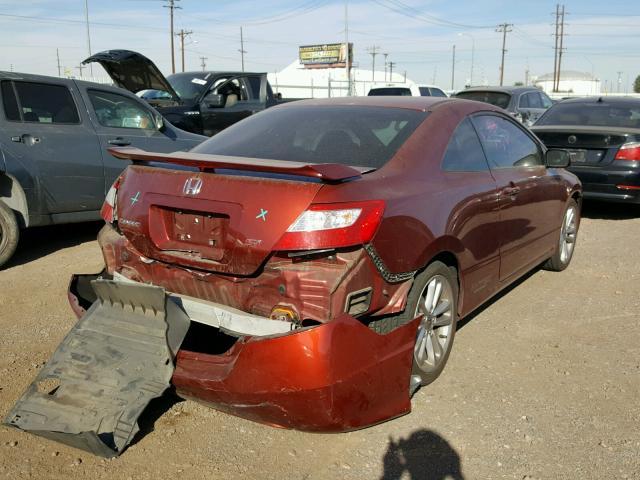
9, 233
566, 239
429, 358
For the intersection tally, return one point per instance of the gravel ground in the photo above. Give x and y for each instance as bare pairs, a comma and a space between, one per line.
542, 384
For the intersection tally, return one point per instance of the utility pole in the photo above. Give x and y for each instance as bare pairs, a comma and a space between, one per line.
86, 17
171, 5
203, 63
58, 59
385, 65
242, 50
435, 74
80, 68
504, 28
560, 48
453, 66
346, 46
182, 34
391, 64
373, 51
555, 49
619, 80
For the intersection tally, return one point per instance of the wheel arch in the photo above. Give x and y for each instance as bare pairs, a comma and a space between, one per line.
12, 194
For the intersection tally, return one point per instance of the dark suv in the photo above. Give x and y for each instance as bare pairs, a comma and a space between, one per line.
524, 103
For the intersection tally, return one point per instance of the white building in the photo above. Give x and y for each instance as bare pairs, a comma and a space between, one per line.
571, 83
295, 81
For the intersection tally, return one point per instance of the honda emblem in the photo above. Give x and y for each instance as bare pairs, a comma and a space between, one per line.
192, 186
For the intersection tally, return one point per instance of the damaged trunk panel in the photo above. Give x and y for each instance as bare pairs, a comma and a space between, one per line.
115, 360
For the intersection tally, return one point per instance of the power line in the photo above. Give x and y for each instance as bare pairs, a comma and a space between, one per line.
504, 28
403, 9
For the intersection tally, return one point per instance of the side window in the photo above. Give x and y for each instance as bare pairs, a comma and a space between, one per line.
464, 152
546, 101
524, 101
45, 103
505, 144
11, 111
118, 111
436, 92
534, 100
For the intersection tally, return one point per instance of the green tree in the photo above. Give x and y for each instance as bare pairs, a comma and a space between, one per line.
518, 84
636, 85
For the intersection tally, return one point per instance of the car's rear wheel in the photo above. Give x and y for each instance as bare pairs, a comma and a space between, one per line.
437, 301
9, 233
435, 295
567, 239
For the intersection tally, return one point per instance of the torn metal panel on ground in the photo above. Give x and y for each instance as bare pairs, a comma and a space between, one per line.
115, 360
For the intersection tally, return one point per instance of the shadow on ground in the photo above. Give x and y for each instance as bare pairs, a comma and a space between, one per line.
425, 455
39, 242
610, 211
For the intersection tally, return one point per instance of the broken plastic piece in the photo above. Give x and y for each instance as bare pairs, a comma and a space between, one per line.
115, 360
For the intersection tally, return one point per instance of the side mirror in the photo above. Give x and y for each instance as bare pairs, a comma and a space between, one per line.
557, 158
159, 122
214, 100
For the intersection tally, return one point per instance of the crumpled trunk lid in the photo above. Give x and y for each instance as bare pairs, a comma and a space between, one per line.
226, 223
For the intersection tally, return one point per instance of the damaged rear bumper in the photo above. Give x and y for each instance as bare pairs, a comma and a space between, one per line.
333, 377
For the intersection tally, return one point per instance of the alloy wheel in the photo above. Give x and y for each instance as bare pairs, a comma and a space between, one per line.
568, 234
434, 333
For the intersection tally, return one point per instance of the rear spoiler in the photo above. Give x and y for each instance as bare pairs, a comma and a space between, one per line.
331, 172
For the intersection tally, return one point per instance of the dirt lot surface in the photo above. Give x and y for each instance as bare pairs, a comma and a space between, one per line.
542, 383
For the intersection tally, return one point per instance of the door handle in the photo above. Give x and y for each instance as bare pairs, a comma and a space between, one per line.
119, 142
511, 191
26, 139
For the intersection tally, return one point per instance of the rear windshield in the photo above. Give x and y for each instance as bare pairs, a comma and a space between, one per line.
356, 136
390, 91
593, 113
188, 86
499, 99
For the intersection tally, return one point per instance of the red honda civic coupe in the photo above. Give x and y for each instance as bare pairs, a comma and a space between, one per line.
323, 250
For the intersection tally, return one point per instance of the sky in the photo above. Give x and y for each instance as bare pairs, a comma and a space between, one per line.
418, 36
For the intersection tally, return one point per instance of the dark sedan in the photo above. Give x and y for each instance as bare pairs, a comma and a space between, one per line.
602, 135
526, 104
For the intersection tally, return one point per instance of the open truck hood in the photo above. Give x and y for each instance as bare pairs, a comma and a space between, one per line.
132, 71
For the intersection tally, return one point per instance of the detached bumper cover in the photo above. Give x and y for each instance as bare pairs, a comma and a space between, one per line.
114, 361
335, 377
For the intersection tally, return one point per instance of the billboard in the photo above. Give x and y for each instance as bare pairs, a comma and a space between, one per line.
328, 55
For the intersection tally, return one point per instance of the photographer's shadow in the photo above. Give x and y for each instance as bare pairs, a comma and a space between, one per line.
425, 455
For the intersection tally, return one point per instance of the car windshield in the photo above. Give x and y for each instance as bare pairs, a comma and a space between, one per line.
356, 136
593, 113
499, 99
392, 91
188, 86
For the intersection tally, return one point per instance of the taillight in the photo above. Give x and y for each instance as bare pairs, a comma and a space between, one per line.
109, 211
629, 151
332, 226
